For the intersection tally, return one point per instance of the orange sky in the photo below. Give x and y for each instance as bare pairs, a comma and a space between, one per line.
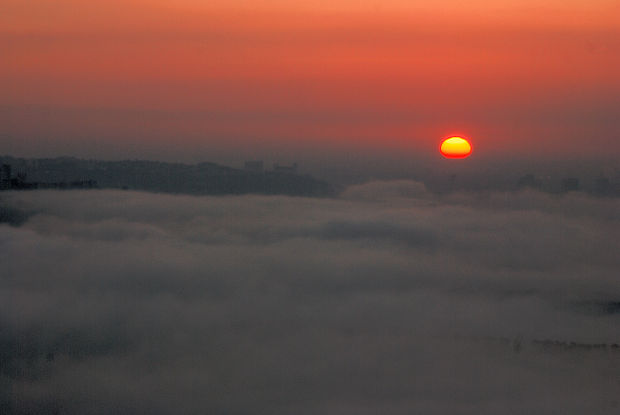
185, 80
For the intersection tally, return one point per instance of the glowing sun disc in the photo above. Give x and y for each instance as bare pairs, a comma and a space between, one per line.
455, 148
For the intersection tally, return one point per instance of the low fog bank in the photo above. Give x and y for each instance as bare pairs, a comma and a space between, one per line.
388, 299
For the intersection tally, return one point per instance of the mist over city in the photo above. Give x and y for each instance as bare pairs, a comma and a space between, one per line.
387, 298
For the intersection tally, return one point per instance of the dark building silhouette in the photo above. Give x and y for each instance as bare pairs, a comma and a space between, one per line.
528, 181
19, 182
570, 184
602, 186
278, 168
5, 177
255, 166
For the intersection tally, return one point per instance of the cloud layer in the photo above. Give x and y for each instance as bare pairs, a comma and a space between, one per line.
386, 300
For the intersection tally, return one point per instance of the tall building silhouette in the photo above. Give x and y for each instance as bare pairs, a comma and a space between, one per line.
602, 186
570, 184
529, 180
5, 177
279, 168
254, 166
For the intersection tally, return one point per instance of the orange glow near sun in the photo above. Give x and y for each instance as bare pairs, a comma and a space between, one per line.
455, 148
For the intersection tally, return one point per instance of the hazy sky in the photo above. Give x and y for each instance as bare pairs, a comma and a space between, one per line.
195, 80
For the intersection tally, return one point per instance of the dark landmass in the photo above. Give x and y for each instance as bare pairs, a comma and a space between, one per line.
155, 176
214, 179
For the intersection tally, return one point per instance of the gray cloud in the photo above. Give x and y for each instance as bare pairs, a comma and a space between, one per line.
388, 299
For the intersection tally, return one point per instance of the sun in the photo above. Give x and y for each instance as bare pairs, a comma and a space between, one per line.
455, 148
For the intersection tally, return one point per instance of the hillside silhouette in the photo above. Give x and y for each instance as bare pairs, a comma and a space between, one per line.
155, 176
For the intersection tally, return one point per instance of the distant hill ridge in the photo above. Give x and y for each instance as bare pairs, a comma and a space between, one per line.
202, 179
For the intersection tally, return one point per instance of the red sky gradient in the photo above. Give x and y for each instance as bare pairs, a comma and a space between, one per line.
183, 80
